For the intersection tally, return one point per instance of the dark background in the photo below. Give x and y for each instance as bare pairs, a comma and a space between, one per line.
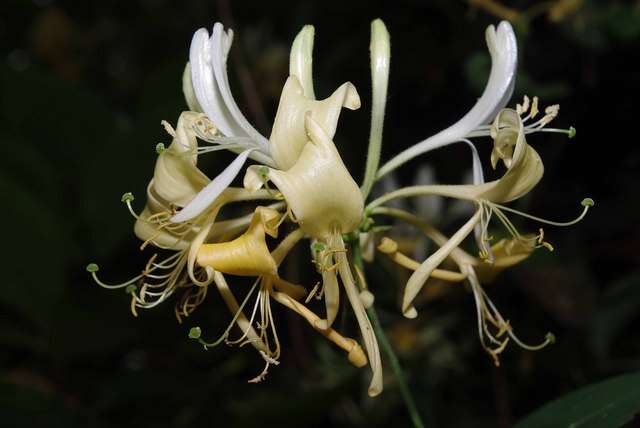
84, 86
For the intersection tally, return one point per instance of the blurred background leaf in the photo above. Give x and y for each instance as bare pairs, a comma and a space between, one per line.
608, 404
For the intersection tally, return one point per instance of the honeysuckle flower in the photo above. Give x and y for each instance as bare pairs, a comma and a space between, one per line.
524, 170
304, 164
228, 128
320, 193
301, 172
249, 255
176, 180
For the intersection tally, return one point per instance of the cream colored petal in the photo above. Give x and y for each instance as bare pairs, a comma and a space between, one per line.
331, 297
176, 177
503, 49
423, 272
187, 90
203, 199
366, 329
318, 188
248, 254
301, 60
288, 135
525, 169
148, 229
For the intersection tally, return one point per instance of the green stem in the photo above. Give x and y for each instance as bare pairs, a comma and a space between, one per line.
401, 379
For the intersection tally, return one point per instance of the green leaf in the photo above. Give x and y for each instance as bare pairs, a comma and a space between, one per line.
608, 404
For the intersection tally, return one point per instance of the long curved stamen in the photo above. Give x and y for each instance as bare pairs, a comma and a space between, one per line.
93, 268
195, 332
586, 204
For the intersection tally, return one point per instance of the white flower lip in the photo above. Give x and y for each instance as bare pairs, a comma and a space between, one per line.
211, 192
504, 58
208, 60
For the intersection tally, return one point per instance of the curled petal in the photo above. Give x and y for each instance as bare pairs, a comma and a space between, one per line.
248, 254
289, 135
148, 227
331, 297
525, 169
506, 253
318, 187
176, 177
220, 45
211, 192
208, 59
187, 90
504, 57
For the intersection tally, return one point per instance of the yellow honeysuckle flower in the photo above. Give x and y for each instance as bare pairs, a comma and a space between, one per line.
247, 255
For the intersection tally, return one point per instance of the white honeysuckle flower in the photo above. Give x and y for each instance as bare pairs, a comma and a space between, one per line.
524, 171
503, 49
227, 127
208, 62
206, 88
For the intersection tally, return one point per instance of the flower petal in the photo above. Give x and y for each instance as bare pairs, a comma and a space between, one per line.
176, 177
211, 192
301, 60
289, 134
504, 57
318, 188
187, 90
422, 274
219, 48
206, 87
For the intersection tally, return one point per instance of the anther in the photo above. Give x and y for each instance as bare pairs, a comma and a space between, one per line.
160, 148
572, 132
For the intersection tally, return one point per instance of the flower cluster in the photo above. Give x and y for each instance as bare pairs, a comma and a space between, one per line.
299, 187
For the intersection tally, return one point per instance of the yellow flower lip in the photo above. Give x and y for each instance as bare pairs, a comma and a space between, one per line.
248, 254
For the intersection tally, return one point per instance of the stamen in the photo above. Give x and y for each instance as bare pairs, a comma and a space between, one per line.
268, 361
93, 268
586, 203
196, 332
